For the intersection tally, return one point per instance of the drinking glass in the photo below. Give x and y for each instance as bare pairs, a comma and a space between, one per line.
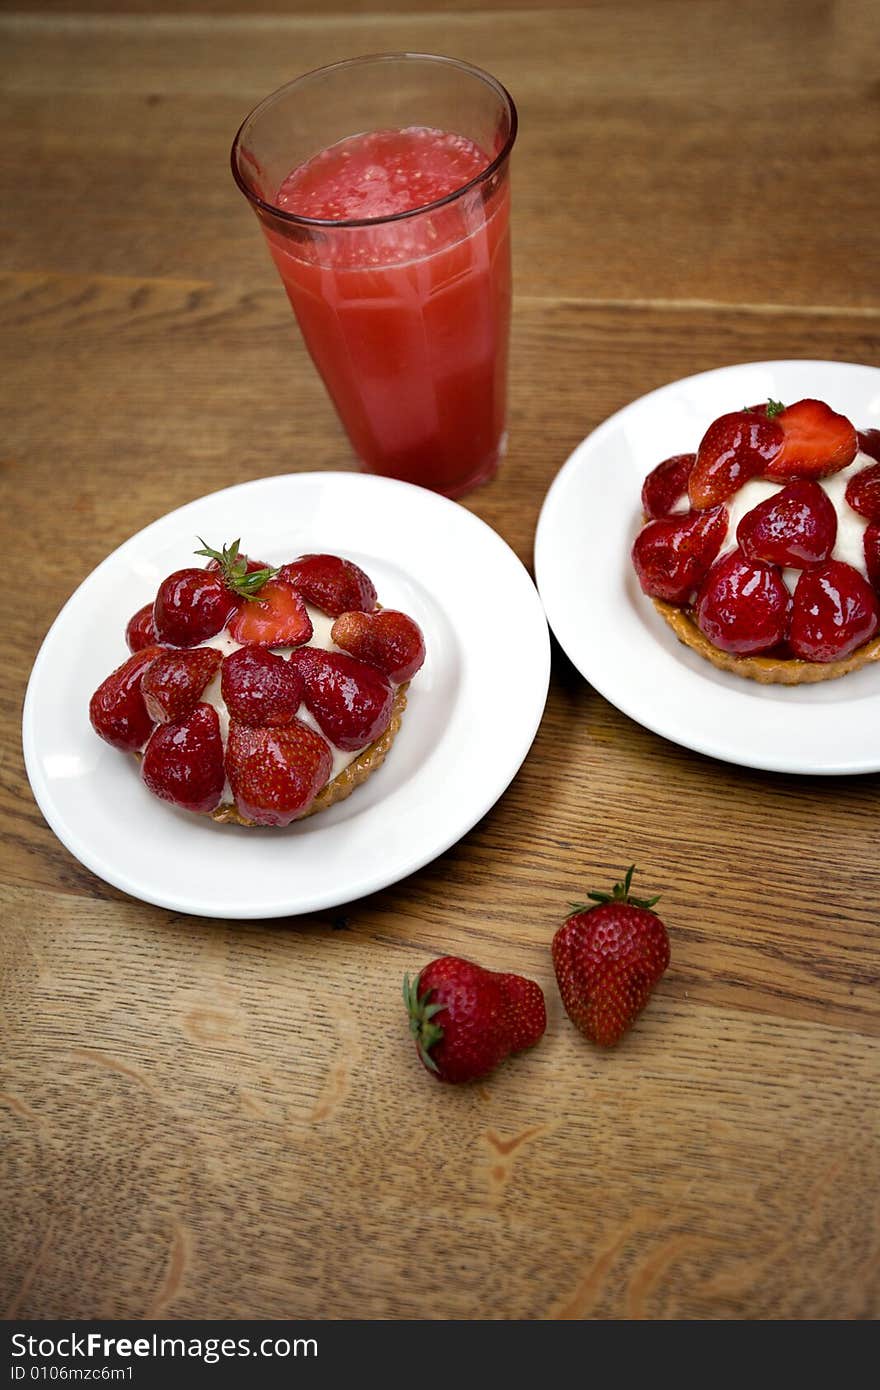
406, 316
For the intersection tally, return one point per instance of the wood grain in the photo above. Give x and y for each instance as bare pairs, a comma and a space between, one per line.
201, 1118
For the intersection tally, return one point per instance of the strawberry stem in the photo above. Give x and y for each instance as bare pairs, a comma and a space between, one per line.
774, 408
619, 894
426, 1033
234, 570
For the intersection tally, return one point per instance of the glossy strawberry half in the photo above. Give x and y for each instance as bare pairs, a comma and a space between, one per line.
835, 611
140, 632
176, 680
735, 448
183, 761
816, 442
276, 617
386, 639
117, 710
260, 687
332, 584
871, 542
863, 491
350, 700
672, 554
869, 443
276, 773
191, 606
797, 526
666, 486
743, 605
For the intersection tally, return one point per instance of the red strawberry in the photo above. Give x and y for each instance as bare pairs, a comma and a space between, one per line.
277, 617
666, 485
183, 761
191, 606
672, 554
869, 443
275, 774
816, 442
140, 631
607, 959
117, 708
863, 491
465, 1019
797, 526
743, 605
332, 584
835, 610
260, 687
386, 639
871, 542
350, 700
735, 448
174, 683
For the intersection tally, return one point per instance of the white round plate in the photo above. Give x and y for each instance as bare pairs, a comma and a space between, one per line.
459, 746
611, 631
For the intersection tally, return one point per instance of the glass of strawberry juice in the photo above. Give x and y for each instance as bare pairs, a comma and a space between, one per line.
382, 188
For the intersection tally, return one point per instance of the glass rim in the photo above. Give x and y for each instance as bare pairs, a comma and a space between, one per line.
296, 219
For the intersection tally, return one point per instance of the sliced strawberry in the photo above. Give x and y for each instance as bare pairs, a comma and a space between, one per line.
117, 710
665, 487
140, 631
277, 617
332, 584
260, 687
863, 491
816, 442
735, 448
869, 443
835, 611
191, 606
275, 774
350, 700
743, 605
797, 526
183, 761
175, 681
671, 555
871, 542
386, 639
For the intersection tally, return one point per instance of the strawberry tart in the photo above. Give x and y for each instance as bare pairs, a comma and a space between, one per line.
260, 695
762, 550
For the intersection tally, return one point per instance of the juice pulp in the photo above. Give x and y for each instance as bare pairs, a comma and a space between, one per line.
407, 321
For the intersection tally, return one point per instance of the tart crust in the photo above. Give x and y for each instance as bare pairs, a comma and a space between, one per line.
767, 670
345, 782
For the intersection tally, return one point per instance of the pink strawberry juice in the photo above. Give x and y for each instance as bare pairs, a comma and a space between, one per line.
405, 316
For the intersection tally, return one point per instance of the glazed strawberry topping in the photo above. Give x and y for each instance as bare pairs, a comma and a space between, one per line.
276, 773
350, 700
863, 491
117, 708
175, 681
191, 606
835, 610
666, 486
743, 605
869, 443
796, 526
276, 617
332, 584
386, 639
735, 448
183, 761
140, 631
260, 687
816, 442
671, 555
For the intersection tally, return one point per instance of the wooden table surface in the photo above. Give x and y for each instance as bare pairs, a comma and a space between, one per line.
205, 1118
